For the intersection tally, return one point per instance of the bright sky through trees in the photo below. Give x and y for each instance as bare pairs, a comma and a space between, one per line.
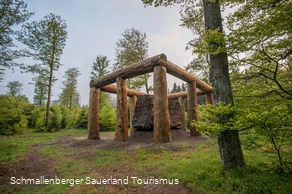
94, 27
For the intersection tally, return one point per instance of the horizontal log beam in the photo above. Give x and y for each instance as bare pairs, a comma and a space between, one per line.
183, 94
140, 68
113, 89
182, 74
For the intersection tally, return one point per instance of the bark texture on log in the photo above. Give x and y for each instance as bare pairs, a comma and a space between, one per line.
229, 144
113, 89
140, 68
183, 110
162, 132
121, 132
133, 100
185, 76
209, 98
183, 94
93, 117
192, 108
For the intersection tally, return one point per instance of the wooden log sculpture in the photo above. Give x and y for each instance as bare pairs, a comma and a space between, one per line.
160, 66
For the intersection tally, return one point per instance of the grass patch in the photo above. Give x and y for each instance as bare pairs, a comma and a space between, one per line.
198, 169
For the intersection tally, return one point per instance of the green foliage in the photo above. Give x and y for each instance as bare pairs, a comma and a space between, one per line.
70, 96
13, 119
260, 41
99, 67
12, 14
40, 122
213, 43
107, 116
82, 122
215, 119
272, 126
132, 48
56, 123
41, 89
74, 115
35, 115
65, 117
14, 88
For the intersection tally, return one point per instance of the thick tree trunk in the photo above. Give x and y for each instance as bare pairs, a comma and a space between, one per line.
229, 144
121, 133
93, 117
162, 132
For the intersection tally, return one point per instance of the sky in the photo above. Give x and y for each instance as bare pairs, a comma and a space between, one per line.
94, 27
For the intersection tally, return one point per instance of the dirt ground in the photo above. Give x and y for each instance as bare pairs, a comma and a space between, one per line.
36, 164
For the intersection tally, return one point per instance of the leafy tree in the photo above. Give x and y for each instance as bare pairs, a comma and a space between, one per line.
65, 117
74, 116
82, 122
213, 43
69, 96
100, 67
45, 40
132, 48
56, 123
35, 116
41, 89
108, 116
12, 110
264, 47
13, 13
14, 88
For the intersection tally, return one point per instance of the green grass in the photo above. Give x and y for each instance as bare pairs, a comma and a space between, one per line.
198, 169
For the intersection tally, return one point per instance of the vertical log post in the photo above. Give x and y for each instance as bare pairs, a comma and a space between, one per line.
162, 132
209, 98
93, 117
192, 108
121, 133
133, 100
183, 110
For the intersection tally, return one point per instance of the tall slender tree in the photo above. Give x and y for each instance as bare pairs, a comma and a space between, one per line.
14, 88
45, 40
70, 95
132, 48
100, 67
